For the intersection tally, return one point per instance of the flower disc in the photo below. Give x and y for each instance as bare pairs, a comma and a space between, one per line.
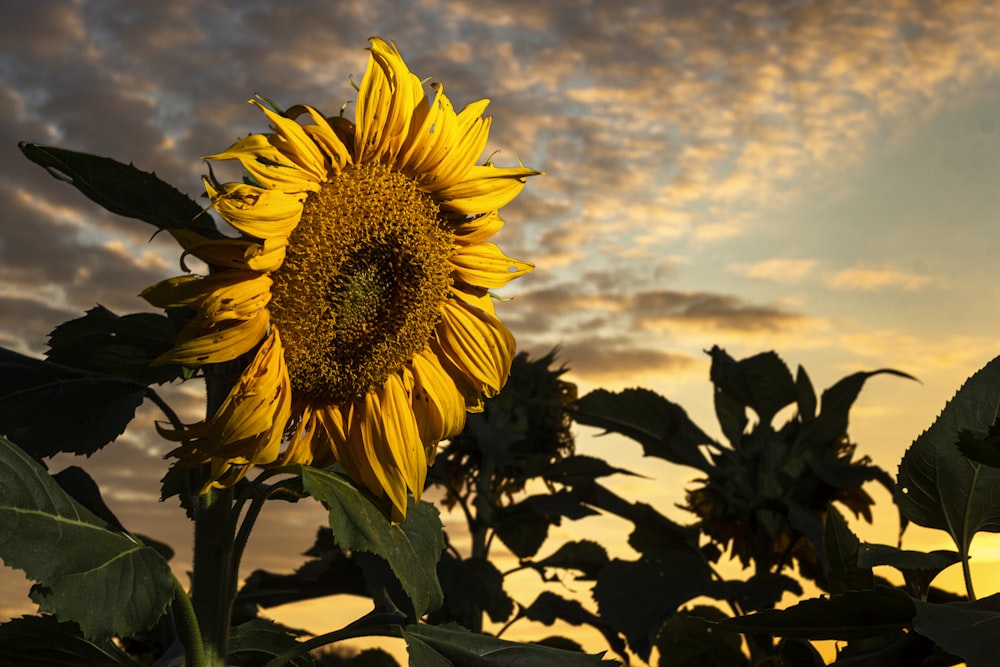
362, 283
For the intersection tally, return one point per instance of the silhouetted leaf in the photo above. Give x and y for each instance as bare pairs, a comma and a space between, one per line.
576, 469
850, 615
44, 641
918, 568
80, 565
662, 428
106, 343
686, 640
549, 608
970, 630
444, 646
940, 488
805, 395
835, 405
635, 597
259, 640
123, 189
473, 586
981, 448
523, 527
841, 547
799, 653
48, 408
411, 549
761, 382
586, 556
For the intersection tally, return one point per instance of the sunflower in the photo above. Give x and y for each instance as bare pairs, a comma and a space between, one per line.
359, 282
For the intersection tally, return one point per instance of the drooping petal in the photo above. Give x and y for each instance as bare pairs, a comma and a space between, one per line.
223, 343
477, 343
257, 212
477, 229
247, 428
437, 403
485, 188
325, 137
385, 426
292, 140
485, 265
268, 166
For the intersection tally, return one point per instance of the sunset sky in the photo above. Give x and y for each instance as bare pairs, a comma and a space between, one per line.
821, 179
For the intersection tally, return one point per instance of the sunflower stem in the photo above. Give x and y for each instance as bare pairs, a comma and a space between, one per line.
213, 579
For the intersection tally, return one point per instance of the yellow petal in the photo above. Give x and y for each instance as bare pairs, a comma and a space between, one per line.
485, 188
292, 140
251, 421
324, 136
387, 97
437, 403
477, 343
268, 166
350, 454
432, 135
478, 229
224, 343
258, 212
485, 265
385, 425
464, 148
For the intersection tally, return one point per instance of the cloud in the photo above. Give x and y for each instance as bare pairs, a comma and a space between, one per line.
871, 278
778, 270
607, 359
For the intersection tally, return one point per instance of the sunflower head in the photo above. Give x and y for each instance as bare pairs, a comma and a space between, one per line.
359, 281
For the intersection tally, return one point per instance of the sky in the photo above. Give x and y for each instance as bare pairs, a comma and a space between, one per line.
814, 178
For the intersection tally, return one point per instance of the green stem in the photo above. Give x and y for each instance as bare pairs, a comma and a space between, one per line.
967, 573
213, 579
187, 622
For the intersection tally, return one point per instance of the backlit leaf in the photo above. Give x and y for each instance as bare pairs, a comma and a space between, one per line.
937, 486
123, 189
80, 565
411, 549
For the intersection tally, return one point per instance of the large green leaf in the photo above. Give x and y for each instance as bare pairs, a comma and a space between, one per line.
49, 408
940, 488
662, 428
123, 189
122, 346
970, 630
107, 582
849, 615
450, 646
411, 549
44, 641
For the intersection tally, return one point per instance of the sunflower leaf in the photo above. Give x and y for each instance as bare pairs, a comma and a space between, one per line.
123, 189
49, 408
411, 549
662, 428
42, 641
937, 486
258, 640
446, 646
121, 346
80, 565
